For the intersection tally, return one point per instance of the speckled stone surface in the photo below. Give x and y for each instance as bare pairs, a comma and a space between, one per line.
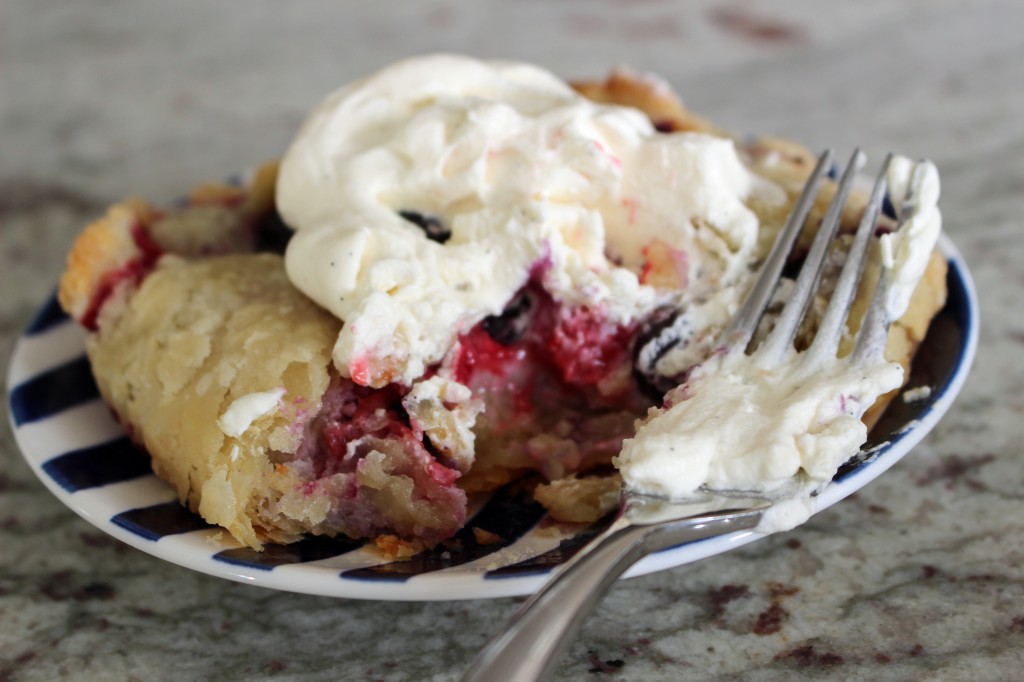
920, 576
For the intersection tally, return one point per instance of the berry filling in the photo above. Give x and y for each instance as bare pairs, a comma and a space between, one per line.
362, 451
560, 398
132, 272
558, 385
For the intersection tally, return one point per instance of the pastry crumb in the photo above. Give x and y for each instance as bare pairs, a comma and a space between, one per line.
917, 394
580, 500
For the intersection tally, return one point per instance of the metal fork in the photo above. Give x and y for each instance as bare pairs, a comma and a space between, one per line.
543, 627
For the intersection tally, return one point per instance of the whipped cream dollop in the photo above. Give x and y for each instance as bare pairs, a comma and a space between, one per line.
423, 197
735, 427
782, 431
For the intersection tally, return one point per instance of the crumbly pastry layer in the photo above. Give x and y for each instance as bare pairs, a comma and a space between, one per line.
192, 340
226, 374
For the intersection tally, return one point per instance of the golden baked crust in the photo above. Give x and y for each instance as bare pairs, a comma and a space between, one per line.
104, 247
580, 499
181, 331
181, 359
195, 337
907, 333
119, 248
649, 94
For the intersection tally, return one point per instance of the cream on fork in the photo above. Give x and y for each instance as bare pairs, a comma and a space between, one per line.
664, 505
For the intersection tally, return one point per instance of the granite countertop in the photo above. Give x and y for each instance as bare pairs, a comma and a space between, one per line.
918, 576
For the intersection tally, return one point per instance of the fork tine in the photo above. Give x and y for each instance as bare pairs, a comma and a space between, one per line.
742, 325
780, 339
830, 330
875, 328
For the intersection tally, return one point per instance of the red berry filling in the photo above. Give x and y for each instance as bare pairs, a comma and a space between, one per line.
363, 453
558, 385
133, 271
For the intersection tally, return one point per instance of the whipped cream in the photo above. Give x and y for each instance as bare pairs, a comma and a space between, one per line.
905, 253
518, 170
782, 431
243, 411
735, 427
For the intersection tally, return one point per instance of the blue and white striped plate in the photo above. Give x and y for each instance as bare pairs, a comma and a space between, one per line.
79, 452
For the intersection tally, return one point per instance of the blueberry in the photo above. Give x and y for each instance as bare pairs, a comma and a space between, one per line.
511, 324
888, 208
654, 339
271, 233
433, 227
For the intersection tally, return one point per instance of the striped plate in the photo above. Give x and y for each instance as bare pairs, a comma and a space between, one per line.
78, 451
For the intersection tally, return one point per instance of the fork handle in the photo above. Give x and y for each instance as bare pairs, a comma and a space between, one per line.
545, 624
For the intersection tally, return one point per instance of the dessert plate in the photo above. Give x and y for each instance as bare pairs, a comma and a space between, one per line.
79, 452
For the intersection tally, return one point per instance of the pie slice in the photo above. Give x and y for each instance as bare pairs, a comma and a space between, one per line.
220, 369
